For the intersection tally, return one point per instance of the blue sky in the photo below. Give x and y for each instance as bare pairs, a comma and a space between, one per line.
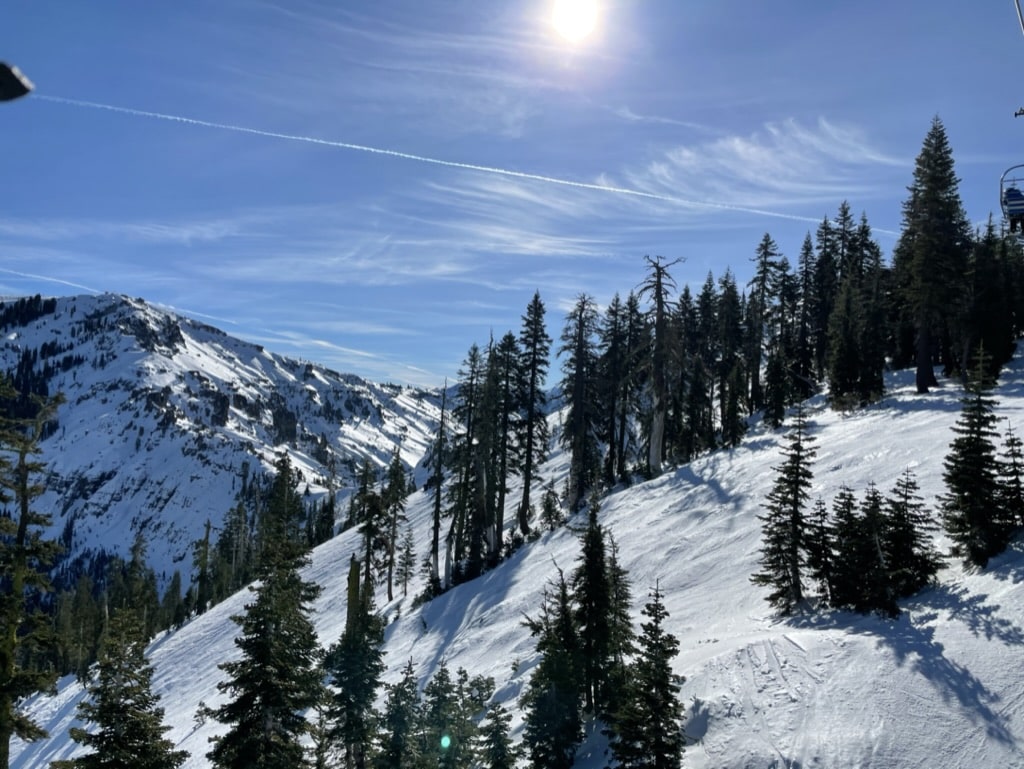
236, 179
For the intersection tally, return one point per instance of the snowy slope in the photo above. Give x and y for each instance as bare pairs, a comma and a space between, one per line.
163, 413
939, 687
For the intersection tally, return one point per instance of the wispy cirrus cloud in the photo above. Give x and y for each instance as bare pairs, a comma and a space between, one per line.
781, 169
183, 231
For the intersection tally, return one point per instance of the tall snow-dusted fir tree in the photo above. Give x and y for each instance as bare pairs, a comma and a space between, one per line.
129, 729
783, 524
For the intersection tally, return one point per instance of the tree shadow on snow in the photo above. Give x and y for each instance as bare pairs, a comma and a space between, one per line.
912, 643
1009, 565
915, 645
980, 618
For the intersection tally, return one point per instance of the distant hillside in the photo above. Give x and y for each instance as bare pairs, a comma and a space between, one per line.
163, 413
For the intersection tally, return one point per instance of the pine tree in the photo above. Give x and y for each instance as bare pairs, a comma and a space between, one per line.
121, 705
648, 729
277, 678
930, 258
621, 638
820, 546
447, 725
581, 392
763, 291
406, 560
399, 743
437, 479
1011, 480
969, 508
910, 553
658, 286
553, 726
25, 556
535, 345
393, 497
846, 531
782, 556
614, 373
875, 587
355, 665
495, 747
591, 592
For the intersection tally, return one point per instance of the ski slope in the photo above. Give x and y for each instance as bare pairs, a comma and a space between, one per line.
941, 686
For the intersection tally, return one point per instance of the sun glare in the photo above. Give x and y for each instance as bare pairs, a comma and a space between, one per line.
574, 19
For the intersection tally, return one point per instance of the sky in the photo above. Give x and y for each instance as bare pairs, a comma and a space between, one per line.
375, 186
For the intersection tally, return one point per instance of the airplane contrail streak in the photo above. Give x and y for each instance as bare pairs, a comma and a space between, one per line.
433, 161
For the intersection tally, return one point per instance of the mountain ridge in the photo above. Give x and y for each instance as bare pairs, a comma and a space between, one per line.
150, 392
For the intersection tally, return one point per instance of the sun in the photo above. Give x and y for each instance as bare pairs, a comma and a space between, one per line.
574, 19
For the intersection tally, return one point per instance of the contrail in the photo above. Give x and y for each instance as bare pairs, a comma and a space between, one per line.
433, 161
33, 276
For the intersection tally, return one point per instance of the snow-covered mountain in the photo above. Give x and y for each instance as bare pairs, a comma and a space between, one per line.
941, 686
163, 413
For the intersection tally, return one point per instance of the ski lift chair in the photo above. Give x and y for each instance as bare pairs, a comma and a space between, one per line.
1011, 201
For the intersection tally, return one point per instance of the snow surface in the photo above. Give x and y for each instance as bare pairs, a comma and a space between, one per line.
942, 686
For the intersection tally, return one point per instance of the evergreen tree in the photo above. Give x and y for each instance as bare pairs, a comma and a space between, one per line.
393, 497
1011, 480
930, 258
25, 556
591, 591
621, 638
448, 730
277, 678
553, 725
505, 456
535, 345
466, 492
875, 591
803, 351
846, 537
355, 665
399, 745
121, 705
763, 291
658, 286
782, 556
614, 373
495, 747
648, 729
406, 560
844, 331
825, 289
820, 546
437, 479
970, 506
580, 389
910, 553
